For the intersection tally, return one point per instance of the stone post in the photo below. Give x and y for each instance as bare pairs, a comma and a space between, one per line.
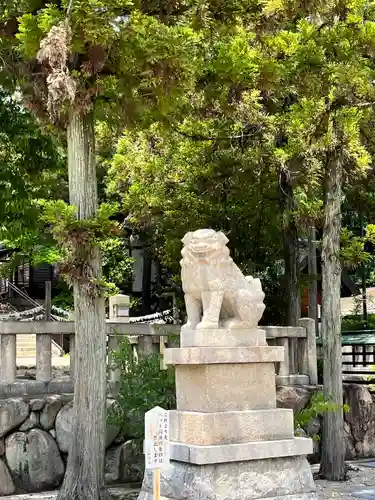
8, 362
43, 357
145, 346
119, 306
310, 349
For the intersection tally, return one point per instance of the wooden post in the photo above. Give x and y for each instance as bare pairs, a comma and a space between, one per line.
8, 362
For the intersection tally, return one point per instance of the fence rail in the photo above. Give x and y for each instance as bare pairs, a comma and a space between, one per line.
299, 346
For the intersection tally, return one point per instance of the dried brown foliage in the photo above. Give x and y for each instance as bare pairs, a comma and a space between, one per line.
54, 51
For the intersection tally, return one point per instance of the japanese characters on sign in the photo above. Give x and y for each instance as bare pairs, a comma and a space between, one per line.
156, 446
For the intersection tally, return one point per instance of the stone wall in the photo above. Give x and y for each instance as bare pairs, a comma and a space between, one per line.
359, 421
34, 441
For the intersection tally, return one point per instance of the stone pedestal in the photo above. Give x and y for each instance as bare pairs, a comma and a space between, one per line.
228, 439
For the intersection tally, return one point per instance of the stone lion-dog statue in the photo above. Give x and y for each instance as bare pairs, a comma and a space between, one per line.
217, 294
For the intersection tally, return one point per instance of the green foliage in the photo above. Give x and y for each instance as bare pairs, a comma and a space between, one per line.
117, 264
318, 406
142, 386
355, 322
78, 239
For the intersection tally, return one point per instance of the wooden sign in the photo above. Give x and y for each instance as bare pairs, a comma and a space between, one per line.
156, 444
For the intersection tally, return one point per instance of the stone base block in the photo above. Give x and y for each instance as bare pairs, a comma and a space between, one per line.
288, 479
223, 355
255, 450
294, 379
230, 426
223, 337
225, 387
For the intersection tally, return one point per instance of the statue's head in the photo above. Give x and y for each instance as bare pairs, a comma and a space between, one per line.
204, 242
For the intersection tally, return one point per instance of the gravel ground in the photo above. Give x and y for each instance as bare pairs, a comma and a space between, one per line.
360, 484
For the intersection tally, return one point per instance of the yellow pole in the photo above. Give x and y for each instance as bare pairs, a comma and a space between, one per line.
157, 484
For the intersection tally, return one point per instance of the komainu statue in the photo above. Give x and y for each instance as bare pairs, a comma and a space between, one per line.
217, 294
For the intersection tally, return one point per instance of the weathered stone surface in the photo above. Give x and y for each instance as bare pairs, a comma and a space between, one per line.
6, 482
34, 460
12, 413
31, 422
50, 411
230, 426
37, 404
360, 419
63, 426
295, 398
2, 447
124, 463
133, 463
313, 428
112, 464
237, 481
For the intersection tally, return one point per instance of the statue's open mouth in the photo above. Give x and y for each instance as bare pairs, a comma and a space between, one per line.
201, 249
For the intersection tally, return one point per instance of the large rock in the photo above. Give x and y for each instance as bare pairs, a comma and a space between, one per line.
34, 460
360, 421
293, 397
31, 422
124, 463
37, 404
50, 411
6, 481
12, 413
63, 427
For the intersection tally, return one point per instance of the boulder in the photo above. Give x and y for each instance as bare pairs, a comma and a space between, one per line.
124, 463
50, 411
37, 404
360, 420
293, 397
12, 413
31, 422
63, 427
350, 452
34, 460
133, 463
313, 428
6, 481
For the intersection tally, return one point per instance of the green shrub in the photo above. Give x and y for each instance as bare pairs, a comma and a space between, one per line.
355, 322
317, 407
143, 385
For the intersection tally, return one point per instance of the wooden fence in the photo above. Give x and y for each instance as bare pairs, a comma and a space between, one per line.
299, 346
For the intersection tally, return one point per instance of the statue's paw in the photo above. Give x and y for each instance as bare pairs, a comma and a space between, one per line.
187, 326
207, 325
233, 324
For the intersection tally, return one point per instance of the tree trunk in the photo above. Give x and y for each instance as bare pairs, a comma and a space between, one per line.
84, 479
291, 252
364, 282
313, 280
333, 444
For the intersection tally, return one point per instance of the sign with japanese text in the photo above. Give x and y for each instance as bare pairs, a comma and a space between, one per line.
156, 445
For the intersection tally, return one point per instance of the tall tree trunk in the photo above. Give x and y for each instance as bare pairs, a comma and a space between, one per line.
313, 280
84, 479
291, 251
333, 447
364, 281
